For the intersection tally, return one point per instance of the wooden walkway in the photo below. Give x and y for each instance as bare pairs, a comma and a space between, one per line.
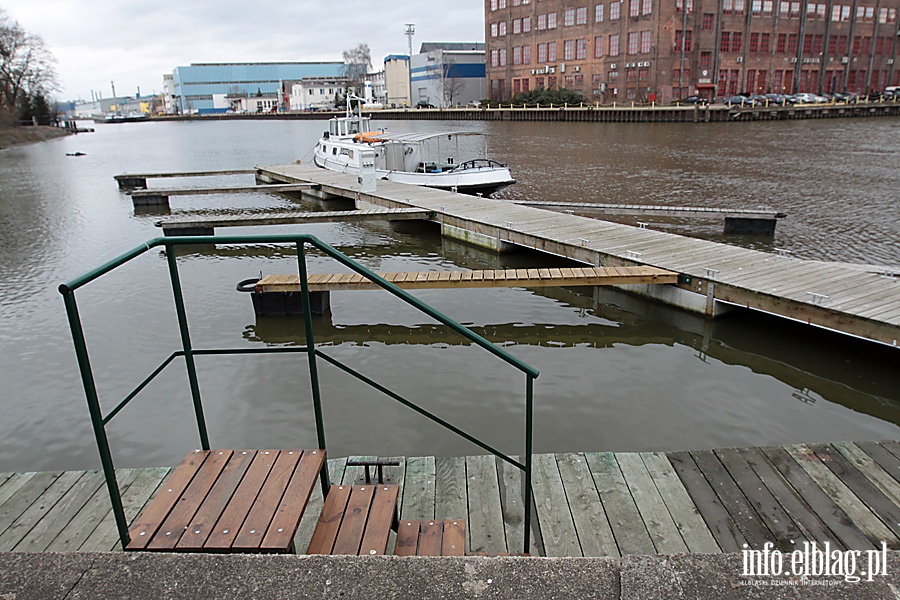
587, 504
655, 210
205, 225
843, 299
321, 282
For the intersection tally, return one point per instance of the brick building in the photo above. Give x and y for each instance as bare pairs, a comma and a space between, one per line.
661, 50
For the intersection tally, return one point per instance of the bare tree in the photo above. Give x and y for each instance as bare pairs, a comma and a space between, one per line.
357, 63
26, 64
451, 83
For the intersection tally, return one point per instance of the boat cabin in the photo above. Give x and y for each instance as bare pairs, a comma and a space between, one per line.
348, 126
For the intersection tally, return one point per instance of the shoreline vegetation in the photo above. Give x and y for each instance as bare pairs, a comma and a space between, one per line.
13, 135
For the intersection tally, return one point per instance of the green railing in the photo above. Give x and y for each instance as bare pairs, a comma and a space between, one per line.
99, 420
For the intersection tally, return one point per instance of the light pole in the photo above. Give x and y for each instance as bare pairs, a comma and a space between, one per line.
410, 31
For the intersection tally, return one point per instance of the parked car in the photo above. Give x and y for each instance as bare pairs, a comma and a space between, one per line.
738, 101
779, 99
693, 100
424, 104
759, 99
806, 98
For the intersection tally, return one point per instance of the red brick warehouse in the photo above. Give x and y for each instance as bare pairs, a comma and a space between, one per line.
644, 50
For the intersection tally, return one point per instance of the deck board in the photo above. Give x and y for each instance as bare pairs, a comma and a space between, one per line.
591, 504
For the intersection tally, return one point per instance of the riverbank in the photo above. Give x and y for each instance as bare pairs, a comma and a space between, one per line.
11, 136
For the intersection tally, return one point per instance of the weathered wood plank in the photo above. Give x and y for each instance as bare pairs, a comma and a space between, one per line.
310, 517
89, 518
714, 514
61, 514
886, 509
37, 510
31, 487
557, 526
882, 457
693, 529
809, 523
487, 533
418, 489
855, 508
512, 494
12, 487
450, 497
595, 536
821, 503
625, 520
870, 469
663, 531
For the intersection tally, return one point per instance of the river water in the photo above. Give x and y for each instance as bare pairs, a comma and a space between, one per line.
617, 372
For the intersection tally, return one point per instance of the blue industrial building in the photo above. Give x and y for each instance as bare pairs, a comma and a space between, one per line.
193, 86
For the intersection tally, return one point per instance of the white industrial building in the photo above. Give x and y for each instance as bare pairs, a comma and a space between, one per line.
448, 74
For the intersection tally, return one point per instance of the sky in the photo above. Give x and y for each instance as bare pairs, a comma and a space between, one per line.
134, 42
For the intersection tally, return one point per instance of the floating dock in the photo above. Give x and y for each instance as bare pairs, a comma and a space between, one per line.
160, 197
586, 504
714, 276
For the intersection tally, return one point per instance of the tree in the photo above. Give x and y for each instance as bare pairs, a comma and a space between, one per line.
451, 83
26, 65
357, 64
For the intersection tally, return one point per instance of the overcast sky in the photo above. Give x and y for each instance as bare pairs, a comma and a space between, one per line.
133, 42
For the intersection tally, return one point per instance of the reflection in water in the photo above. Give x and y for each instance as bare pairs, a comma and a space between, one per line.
618, 373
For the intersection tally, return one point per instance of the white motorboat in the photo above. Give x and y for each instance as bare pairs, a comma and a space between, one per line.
427, 159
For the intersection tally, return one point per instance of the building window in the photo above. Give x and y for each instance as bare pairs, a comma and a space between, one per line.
542, 22
645, 42
614, 11
646, 7
493, 4
598, 46
581, 15
612, 76
754, 42
569, 49
517, 55
756, 7
683, 37
542, 53
634, 8
551, 51
501, 4
598, 13
502, 57
526, 24
581, 49
737, 39
764, 42
781, 44
613, 44
569, 17
493, 30
517, 25
708, 21
526, 55
495, 58
634, 41
501, 28
679, 5
725, 41
768, 7
551, 20
706, 60
793, 43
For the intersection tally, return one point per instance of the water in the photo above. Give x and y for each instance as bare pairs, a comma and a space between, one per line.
618, 373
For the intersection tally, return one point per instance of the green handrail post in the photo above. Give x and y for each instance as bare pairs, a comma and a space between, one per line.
186, 344
529, 429
93, 402
311, 355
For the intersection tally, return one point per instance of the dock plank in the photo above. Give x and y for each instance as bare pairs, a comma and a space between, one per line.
310, 517
557, 526
450, 493
57, 518
37, 509
418, 503
809, 523
883, 457
708, 504
663, 531
625, 520
868, 523
23, 492
512, 494
693, 529
487, 533
595, 535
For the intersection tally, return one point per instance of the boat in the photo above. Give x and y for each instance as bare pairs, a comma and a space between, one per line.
426, 159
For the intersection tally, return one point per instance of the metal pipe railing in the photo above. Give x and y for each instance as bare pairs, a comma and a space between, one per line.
99, 421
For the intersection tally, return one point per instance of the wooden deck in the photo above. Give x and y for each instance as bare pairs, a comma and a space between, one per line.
843, 299
587, 504
321, 282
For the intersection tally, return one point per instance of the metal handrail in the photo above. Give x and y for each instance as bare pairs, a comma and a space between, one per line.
99, 421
